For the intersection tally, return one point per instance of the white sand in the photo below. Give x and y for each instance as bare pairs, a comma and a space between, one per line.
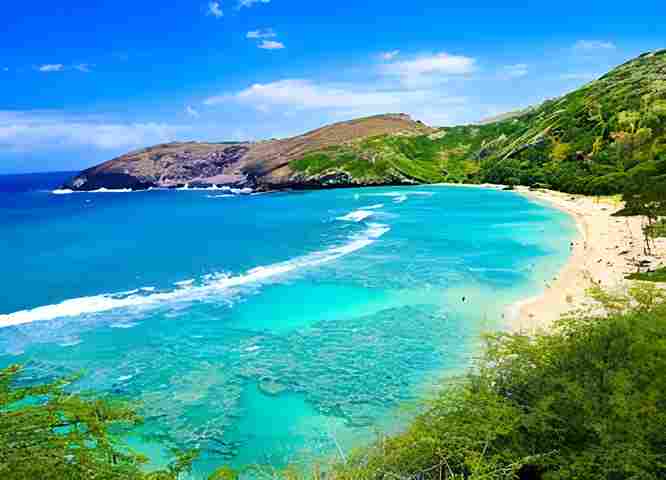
606, 250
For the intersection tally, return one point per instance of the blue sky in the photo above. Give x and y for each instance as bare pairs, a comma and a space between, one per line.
81, 83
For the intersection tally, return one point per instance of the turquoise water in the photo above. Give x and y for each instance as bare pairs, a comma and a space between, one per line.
265, 329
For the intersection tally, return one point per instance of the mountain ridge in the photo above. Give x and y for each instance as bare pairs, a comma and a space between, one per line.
263, 164
587, 141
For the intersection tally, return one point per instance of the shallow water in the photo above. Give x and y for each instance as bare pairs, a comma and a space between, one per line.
265, 329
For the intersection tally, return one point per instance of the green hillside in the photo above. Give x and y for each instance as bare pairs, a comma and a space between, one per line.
588, 141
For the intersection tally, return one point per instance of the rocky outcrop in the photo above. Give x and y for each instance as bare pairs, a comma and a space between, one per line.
258, 165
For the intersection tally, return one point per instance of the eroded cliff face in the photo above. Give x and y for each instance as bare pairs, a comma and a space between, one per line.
259, 165
168, 166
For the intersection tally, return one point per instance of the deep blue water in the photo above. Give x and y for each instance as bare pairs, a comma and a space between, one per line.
267, 328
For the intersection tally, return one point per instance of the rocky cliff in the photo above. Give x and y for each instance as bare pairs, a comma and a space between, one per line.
258, 165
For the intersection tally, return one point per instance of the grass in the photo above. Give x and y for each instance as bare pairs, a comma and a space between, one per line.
658, 276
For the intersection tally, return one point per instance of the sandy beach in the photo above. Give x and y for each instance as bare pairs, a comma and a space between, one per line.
606, 251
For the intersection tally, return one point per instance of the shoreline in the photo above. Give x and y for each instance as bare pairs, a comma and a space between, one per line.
604, 252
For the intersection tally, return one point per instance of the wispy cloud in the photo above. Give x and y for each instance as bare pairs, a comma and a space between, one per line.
215, 9
303, 94
83, 67
585, 76
347, 100
429, 69
257, 34
192, 112
22, 131
514, 71
388, 56
271, 45
588, 46
250, 3
51, 67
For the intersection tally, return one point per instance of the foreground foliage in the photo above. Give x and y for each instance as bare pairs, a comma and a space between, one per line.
585, 402
47, 433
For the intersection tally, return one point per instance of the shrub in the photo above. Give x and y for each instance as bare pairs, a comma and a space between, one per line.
587, 401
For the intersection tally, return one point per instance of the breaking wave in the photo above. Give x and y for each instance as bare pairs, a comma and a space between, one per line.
67, 191
208, 286
356, 216
400, 197
213, 188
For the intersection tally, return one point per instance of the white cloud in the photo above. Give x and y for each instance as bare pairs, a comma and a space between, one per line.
588, 46
83, 67
50, 131
192, 112
250, 3
514, 71
215, 9
303, 94
51, 67
257, 34
579, 76
271, 45
429, 69
287, 96
388, 56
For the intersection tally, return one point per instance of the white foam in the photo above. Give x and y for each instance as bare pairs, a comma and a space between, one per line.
399, 197
67, 191
212, 285
385, 194
356, 216
184, 283
212, 188
112, 190
490, 270
224, 195
216, 188
124, 326
374, 207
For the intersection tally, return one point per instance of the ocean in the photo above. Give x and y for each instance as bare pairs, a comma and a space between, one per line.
272, 329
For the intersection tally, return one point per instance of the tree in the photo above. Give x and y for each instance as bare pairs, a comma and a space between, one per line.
645, 194
629, 119
560, 152
47, 433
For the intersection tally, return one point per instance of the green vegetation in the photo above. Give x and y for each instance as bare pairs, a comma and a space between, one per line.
586, 401
645, 195
47, 433
658, 229
658, 275
591, 141
378, 159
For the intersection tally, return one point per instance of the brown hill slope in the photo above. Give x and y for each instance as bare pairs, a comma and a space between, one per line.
258, 165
